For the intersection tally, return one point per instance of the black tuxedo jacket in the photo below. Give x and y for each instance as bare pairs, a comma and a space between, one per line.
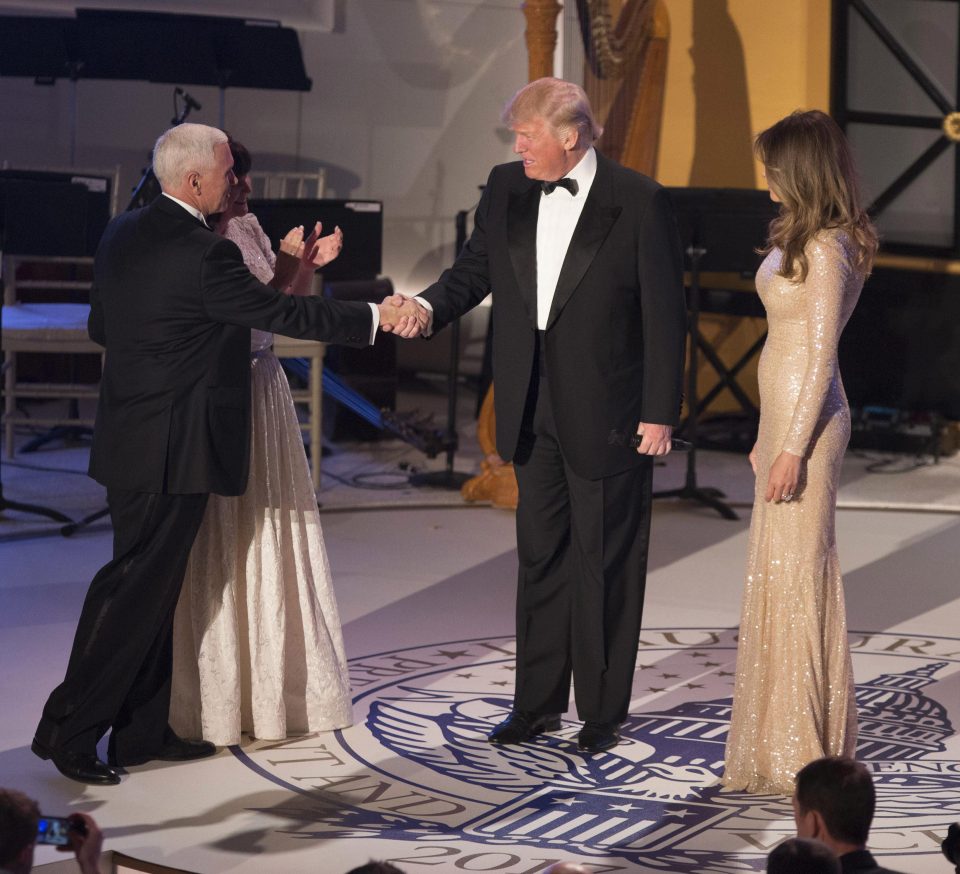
173, 304
616, 332
862, 862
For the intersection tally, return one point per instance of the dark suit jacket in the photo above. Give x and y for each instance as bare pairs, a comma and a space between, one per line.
861, 862
173, 304
615, 337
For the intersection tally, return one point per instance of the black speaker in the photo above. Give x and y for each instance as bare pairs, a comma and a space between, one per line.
52, 213
901, 348
360, 220
371, 372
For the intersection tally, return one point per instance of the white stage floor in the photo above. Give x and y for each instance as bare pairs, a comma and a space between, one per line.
428, 623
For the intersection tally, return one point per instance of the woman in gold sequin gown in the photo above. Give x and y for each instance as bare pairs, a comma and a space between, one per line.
257, 642
794, 690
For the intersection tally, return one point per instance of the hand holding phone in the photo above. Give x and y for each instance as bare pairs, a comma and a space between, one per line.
77, 833
55, 830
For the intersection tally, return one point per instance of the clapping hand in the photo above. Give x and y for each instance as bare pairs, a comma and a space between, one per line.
318, 250
403, 316
288, 258
292, 242
299, 258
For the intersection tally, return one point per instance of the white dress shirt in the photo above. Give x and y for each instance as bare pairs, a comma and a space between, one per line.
559, 214
557, 218
190, 209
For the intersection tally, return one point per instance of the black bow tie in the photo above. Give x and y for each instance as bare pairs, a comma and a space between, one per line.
566, 182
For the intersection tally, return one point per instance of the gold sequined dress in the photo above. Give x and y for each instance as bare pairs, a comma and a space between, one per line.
793, 697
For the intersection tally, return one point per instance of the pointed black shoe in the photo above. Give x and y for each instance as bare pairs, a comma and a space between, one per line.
82, 767
521, 726
174, 749
595, 737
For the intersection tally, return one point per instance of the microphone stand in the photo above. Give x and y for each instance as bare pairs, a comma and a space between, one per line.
146, 189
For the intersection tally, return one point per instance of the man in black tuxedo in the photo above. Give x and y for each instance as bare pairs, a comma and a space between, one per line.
173, 304
584, 262
834, 801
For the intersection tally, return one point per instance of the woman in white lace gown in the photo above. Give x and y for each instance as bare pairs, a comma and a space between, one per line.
257, 642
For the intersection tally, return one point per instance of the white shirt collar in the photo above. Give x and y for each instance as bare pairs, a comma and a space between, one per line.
190, 209
585, 170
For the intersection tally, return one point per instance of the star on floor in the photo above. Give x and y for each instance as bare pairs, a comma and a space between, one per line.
453, 654
569, 802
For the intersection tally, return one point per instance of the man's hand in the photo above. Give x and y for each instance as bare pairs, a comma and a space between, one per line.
86, 843
403, 316
655, 439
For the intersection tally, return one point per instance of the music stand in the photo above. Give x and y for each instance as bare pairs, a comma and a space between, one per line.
720, 230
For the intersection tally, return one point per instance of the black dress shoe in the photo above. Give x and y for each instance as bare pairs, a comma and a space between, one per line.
521, 726
595, 737
174, 749
82, 767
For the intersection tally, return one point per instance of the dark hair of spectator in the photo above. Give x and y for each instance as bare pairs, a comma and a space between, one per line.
242, 162
802, 856
841, 791
19, 816
373, 867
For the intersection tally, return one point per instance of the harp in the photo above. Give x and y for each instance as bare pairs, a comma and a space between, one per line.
624, 75
625, 63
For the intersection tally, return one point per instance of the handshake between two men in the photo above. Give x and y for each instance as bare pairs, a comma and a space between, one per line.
399, 314
404, 316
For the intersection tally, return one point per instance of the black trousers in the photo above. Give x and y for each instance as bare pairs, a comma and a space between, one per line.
582, 546
119, 671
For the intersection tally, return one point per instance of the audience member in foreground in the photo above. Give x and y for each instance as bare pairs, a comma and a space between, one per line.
19, 818
802, 856
833, 802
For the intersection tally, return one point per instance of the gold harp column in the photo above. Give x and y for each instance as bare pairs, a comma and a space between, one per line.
541, 36
497, 481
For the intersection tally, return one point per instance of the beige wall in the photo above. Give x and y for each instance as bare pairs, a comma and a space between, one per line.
735, 67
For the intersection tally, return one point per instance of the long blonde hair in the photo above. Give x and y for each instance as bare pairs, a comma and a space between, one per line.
810, 168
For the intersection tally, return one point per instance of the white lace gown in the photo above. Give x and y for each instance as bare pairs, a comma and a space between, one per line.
257, 642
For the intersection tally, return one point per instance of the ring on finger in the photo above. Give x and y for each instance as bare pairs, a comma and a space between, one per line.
787, 496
